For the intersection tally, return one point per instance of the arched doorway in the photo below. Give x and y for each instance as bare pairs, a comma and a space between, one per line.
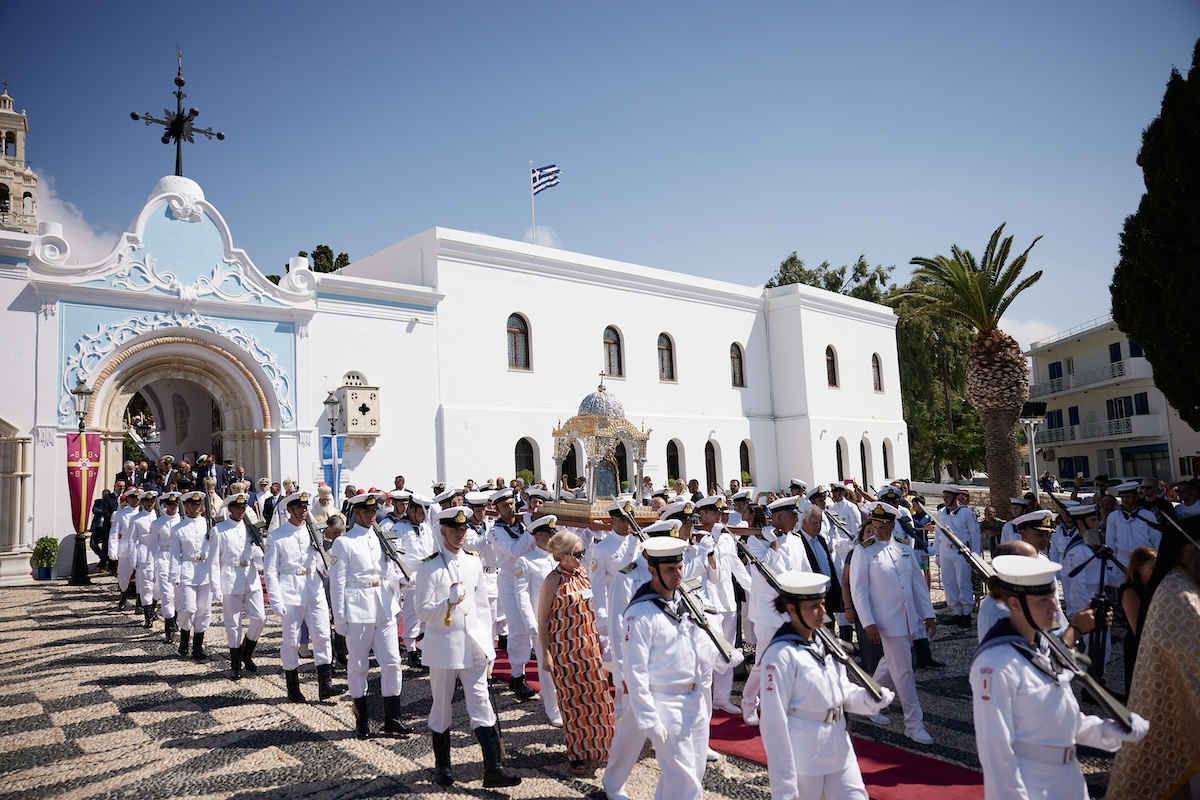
711, 479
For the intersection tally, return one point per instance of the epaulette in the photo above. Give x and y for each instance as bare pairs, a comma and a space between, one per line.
868, 542
472, 553
430, 557
903, 539
628, 568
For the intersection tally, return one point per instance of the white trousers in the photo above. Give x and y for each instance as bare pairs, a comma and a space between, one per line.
316, 615
896, 672
956, 579
520, 639
687, 741
361, 639
167, 591
412, 624
124, 570
250, 604
474, 681
723, 681
195, 607
844, 785
547, 690
763, 632
147, 584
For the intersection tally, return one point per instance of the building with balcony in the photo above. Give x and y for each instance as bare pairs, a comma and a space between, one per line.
1104, 414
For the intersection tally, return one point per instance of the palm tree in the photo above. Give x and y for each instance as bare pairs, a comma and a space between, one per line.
997, 377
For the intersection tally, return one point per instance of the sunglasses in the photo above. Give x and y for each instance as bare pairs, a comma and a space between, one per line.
577, 555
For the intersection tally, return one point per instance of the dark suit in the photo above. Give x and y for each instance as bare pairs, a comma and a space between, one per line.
269, 506
130, 478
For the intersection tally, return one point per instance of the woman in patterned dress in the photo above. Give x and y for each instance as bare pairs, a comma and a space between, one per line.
570, 655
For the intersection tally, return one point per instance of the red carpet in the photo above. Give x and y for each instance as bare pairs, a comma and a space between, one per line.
889, 772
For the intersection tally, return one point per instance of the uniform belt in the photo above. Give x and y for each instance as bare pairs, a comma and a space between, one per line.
489, 570
684, 687
243, 563
1046, 753
362, 584
198, 558
831, 715
293, 572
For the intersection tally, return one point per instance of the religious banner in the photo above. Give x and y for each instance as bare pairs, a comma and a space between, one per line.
331, 462
83, 467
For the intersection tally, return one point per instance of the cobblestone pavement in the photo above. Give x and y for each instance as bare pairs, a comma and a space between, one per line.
94, 706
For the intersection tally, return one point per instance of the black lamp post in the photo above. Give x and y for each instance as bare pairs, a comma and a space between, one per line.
333, 410
81, 396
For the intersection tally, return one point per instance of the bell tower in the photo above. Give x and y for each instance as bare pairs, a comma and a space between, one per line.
18, 184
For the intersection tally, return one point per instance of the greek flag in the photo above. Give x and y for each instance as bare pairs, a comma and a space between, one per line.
331, 462
545, 177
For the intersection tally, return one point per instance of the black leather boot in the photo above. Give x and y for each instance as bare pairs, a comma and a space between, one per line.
521, 688
198, 651
121, 604
148, 616
441, 759
184, 639
362, 724
391, 718
326, 688
339, 650
235, 663
248, 646
292, 677
924, 657
495, 774
170, 626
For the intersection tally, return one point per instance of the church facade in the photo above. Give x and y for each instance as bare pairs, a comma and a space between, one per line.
452, 356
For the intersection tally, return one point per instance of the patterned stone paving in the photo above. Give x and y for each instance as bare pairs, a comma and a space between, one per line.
94, 706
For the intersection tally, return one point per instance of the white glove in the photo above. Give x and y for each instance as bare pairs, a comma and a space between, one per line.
341, 628
706, 545
735, 659
456, 594
657, 735
606, 654
888, 697
1117, 734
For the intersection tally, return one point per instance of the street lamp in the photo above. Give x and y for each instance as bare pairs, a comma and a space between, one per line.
81, 397
333, 410
1033, 416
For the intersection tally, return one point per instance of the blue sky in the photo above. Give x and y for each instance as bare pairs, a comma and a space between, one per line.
707, 138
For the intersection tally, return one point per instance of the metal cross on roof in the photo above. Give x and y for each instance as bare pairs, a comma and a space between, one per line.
178, 124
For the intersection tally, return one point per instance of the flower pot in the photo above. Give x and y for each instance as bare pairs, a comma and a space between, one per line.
44, 573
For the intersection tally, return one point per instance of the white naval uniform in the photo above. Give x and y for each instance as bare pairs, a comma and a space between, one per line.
1126, 531
956, 570
144, 556
720, 593
120, 542
160, 541
479, 541
889, 592
462, 649
294, 572
1009, 533
605, 557
237, 561
530, 574
191, 565
1027, 725
512, 542
1086, 584
790, 555
805, 696
364, 589
416, 543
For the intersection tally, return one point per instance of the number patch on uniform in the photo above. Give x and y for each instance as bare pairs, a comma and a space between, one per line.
770, 680
986, 687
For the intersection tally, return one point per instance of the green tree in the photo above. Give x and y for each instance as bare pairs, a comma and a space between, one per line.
978, 294
322, 259
860, 280
1160, 247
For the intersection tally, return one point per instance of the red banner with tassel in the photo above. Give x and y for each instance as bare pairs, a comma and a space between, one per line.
83, 468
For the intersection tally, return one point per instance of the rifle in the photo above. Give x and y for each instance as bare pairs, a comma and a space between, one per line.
832, 646
391, 552
835, 521
316, 543
256, 532
691, 602
977, 565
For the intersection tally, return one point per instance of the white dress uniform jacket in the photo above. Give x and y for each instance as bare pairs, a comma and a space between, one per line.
191, 551
889, 589
236, 560
364, 584
293, 568
467, 640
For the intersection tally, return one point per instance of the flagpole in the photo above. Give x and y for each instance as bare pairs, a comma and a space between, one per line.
532, 210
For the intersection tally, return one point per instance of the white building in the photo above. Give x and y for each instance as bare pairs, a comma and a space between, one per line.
1104, 415
454, 355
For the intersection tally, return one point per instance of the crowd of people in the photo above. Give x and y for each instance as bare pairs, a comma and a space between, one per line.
637, 631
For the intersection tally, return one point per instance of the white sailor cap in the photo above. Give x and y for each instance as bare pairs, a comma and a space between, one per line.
1034, 519
201, 458
950, 490
1018, 501
501, 495
663, 550
804, 585
453, 517
400, 494
148, 494
421, 500
817, 491
236, 499
785, 504
565, 495
882, 512
446, 495
1069, 504
477, 498
1127, 486
888, 491
192, 497
437, 486
369, 500
1081, 511
132, 491
799, 484
169, 459
664, 527
743, 494
302, 497
171, 497
678, 509
714, 502
547, 524
664, 493
619, 507
540, 494
1025, 574
837, 486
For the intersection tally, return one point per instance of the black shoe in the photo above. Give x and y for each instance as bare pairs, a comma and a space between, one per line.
170, 626
326, 688
294, 694
198, 651
339, 650
122, 603
441, 758
495, 774
248, 646
148, 616
362, 724
184, 640
414, 660
502, 642
925, 659
391, 718
964, 621
521, 688
235, 663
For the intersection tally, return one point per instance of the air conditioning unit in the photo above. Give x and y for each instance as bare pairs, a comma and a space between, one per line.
1048, 453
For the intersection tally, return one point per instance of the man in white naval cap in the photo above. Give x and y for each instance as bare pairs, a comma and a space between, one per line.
453, 605
191, 572
1017, 507
478, 525
531, 572
1027, 720
120, 541
144, 559
416, 539
364, 590
892, 602
956, 570
728, 569
607, 556
237, 562
160, 542
511, 540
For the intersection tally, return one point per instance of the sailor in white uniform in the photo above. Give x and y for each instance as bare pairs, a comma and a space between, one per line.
191, 572
144, 555
956, 570
605, 558
120, 541
1008, 533
237, 563
1027, 720
512, 540
530, 574
160, 541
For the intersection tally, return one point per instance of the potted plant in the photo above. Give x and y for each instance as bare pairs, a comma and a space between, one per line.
45, 555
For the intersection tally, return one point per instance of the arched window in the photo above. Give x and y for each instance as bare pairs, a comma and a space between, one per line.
831, 366
4, 198
876, 372
10, 144
523, 456
666, 358
518, 342
744, 462
736, 368
622, 459
27, 204
841, 463
887, 459
612, 352
710, 467
672, 460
